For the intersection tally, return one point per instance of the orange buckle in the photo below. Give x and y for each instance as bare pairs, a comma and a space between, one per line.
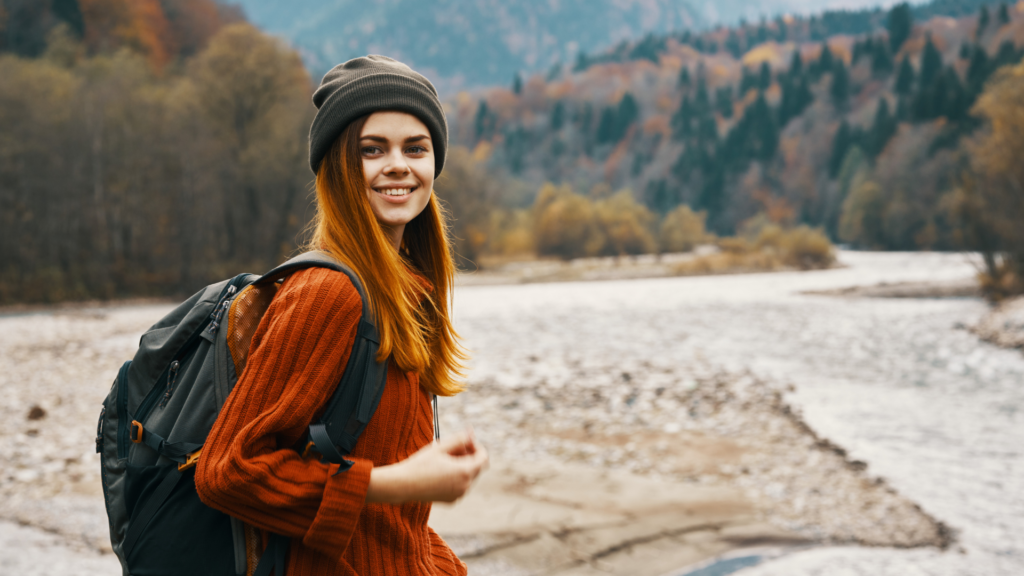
309, 448
135, 431
190, 460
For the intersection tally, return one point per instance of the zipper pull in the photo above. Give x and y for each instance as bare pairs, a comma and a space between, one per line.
172, 376
218, 312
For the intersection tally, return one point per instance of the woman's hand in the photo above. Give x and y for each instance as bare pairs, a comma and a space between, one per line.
439, 472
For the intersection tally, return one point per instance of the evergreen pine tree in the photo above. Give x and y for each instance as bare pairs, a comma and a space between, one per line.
840, 89
765, 131
905, 77
702, 101
606, 127
978, 70
965, 50
881, 59
684, 77
628, 113
796, 64
707, 129
903, 109
482, 119
1004, 15
899, 24
764, 78
804, 95
582, 63
825, 60
748, 81
883, 128
723, 101
517, 84
957, 100
840, 144
558, 116
682, 120
983, 20
931, 63
732, 44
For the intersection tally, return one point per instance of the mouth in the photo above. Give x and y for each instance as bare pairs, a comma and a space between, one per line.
396, 191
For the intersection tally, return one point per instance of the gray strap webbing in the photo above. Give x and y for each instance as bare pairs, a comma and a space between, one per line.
273, 557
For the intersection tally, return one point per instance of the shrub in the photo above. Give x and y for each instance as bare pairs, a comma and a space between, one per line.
682, 230
565, 225
625, 225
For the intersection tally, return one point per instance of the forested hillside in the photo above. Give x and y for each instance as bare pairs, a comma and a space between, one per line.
861, 134
146, 147
473, 43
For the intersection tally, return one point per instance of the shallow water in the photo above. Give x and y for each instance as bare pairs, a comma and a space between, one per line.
897, 382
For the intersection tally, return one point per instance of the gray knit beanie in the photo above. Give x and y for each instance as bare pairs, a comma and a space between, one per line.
370, 84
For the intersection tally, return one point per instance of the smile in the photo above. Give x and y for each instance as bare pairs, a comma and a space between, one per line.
405, 191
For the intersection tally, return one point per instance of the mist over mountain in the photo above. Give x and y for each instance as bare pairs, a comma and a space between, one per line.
467, 43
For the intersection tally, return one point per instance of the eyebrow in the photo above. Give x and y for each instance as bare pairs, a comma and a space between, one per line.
384, 140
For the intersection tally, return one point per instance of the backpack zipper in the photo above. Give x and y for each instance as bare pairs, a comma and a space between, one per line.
172, 377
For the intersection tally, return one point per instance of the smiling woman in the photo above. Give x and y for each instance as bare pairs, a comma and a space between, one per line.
376, 145
398, 164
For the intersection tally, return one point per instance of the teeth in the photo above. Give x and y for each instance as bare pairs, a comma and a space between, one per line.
395, 191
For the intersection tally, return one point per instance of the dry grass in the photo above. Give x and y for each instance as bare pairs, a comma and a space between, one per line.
774, 248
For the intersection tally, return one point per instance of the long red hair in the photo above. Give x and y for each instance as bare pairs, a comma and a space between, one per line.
414, 321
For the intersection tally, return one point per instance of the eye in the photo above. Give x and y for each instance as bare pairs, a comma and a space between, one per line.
371, 150
416, 150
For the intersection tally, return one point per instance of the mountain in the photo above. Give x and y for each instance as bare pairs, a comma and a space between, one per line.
853, 122
468, 43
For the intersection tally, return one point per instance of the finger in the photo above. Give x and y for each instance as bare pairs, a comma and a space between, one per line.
455, 444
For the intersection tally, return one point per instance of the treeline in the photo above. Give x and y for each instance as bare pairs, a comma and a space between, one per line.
139, 159
737, 40
862, 136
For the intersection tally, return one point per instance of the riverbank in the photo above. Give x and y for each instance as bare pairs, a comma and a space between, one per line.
636, 426
1004, 324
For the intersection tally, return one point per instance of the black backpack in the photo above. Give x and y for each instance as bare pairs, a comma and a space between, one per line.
163, 404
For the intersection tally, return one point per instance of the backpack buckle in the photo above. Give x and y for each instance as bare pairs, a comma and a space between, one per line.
190, 460
135, 431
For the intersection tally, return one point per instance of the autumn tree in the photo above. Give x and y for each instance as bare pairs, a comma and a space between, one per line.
993, 195
682, 230
254, 95
565, 224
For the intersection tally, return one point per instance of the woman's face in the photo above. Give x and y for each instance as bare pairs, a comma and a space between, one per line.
398, 161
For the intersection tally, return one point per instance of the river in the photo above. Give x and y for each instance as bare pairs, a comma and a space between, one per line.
898, 382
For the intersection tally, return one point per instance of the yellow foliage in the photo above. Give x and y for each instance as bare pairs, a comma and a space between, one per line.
565, 224
682, 230
861, 218
626, 225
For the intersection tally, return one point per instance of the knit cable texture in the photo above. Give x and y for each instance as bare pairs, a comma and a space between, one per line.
250, 469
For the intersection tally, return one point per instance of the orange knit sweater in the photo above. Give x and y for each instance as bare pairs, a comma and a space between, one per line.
250, 469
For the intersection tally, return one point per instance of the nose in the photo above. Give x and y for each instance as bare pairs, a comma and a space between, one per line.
397, 166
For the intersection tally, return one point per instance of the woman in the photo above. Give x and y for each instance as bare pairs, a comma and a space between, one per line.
376, 144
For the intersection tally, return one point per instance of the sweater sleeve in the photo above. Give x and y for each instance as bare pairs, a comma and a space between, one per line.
249, 468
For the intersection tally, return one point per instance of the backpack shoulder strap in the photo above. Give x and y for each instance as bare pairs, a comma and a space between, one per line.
355, 400
318, 259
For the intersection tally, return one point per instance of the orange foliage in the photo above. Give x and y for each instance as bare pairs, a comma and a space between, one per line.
144, 26
659, 123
